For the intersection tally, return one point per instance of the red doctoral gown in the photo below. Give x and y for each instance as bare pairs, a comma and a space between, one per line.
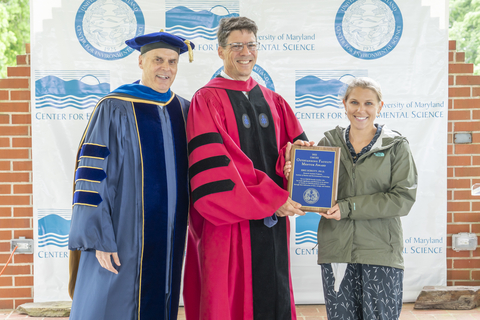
236, 267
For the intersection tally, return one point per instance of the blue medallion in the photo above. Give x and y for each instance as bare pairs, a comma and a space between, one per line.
246, 121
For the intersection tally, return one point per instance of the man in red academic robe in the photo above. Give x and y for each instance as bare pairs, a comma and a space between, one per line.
237, 264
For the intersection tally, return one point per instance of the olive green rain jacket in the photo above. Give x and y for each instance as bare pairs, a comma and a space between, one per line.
372, 195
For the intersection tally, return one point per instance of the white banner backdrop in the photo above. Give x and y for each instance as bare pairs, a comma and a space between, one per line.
309, 50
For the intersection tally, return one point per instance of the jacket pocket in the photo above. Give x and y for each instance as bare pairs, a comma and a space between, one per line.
373, 234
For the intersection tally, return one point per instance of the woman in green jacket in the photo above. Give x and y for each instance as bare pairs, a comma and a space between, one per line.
360, 239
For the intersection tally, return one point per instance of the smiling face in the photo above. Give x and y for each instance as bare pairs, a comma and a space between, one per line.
159, 68
362, 106
238, 65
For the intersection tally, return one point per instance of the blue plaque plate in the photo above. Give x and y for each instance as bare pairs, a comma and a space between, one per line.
314, 177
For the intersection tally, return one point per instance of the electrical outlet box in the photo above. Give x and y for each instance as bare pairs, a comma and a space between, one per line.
476, 189
464, 241
24, 246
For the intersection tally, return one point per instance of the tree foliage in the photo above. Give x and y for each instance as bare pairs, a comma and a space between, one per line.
465, 29
14, 31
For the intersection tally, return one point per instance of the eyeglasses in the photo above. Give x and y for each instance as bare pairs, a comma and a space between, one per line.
238, 46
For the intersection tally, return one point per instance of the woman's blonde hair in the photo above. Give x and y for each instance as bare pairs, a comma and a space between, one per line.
364, 83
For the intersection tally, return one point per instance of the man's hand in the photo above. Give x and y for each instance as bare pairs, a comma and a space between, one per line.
288, 149
290, 208
288, 163
105, 260
332, 213
287, 168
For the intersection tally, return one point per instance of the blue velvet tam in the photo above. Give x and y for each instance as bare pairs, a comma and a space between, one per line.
158, 40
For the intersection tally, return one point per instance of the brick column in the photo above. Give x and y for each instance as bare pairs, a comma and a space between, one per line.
463, 164
16, 283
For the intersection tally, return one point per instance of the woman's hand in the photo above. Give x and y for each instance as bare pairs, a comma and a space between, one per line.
332, 213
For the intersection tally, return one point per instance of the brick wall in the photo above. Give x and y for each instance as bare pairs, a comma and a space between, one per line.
463, 162
16, 284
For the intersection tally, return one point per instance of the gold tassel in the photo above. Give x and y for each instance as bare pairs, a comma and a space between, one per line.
190, 51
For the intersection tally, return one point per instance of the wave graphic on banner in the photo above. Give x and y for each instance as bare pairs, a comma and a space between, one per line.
309, 100
53, 230
52, 91
188, 23
67, 102
306, 228
311, 91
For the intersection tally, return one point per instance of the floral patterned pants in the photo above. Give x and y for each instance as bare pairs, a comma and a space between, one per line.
367, 292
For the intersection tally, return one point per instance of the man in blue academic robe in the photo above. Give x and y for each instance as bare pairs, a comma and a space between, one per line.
130, 202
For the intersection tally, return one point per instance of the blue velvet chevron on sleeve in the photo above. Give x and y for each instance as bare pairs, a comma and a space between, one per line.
96, 151
91, 174
86, 198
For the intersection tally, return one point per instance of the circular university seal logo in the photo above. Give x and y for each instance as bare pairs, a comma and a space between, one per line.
311, 196
103, 26
258, 74
368, 29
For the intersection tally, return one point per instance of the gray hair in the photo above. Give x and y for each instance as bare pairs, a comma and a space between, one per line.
228, 25
364, 83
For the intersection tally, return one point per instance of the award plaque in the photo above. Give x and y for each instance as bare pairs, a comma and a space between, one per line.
313, 179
